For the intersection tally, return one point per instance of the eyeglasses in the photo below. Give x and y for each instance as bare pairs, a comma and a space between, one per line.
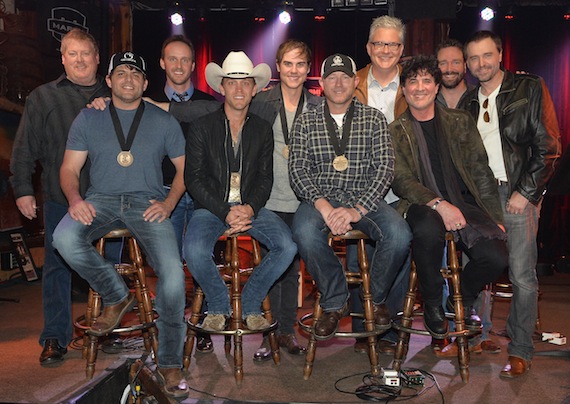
393, 46
486, 116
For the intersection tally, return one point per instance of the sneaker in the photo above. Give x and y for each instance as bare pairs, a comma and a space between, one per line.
256, 322
214, 322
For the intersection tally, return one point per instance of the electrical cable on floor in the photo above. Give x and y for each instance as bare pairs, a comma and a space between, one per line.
373, 388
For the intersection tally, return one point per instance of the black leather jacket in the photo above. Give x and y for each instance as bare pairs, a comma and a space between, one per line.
207, 172
530, 148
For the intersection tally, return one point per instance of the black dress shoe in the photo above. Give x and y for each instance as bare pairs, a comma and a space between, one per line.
382, 316
52, 353
290, 343
263, 353
204, 343
435, 321
325, 327
472, 320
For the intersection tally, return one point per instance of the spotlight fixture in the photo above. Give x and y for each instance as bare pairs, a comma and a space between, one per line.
487, 14
284, 17
285, 14
176, 15
566, 14
176, 18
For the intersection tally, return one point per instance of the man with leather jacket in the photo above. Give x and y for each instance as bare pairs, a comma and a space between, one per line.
522, 142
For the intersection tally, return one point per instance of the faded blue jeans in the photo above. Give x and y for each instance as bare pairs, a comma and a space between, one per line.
523, 255
203, 232
385, 227
180, 217
74, 242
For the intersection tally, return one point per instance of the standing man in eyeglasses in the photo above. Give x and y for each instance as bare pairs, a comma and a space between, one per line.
379, 86
517, 122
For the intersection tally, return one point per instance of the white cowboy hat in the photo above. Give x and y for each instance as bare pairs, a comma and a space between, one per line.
237, 66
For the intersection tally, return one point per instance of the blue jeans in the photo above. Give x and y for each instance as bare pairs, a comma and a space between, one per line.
56, 282
181, 216
203, 232
283, 294
74, 242
523, 255
385, 227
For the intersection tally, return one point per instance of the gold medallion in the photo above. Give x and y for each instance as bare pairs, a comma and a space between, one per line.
285, 152
125, 158
340, 163
235, 192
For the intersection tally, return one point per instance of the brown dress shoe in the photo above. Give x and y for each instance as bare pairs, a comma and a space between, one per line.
451, 350
489, 346
439, 344
111, 317
515, 367
386, 347
361, 345
290, 343
325, 327
382, 316
175, 385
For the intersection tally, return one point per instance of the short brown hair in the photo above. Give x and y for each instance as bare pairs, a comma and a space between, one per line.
178, 38
479, 36
291, 44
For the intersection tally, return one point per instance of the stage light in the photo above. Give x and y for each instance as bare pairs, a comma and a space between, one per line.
202, 15
260, 16
320, 11
176, 19
510, 14
284, 17
487, 14
566, 14
337, 3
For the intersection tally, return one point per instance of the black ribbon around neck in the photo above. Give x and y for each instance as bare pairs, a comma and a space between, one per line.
126, 145
283, 116
339, 147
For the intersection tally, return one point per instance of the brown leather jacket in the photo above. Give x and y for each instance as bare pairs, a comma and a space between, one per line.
361, 92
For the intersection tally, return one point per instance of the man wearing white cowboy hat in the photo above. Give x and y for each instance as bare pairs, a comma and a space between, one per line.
229, 174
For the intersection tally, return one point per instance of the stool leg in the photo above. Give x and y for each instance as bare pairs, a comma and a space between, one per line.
237, 320
89, 320
272, 337
463, 348
312, 345
407, 319
369, 322
92, 348
194, 319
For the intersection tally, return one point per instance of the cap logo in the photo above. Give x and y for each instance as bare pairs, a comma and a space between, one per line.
128, 57
337, 61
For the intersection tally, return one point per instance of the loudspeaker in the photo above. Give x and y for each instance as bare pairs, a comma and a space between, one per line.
425, 9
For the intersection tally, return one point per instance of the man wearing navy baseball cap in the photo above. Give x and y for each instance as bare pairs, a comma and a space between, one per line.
126, 143
341, 165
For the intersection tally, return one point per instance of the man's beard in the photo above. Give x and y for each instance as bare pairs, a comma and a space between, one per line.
455, 83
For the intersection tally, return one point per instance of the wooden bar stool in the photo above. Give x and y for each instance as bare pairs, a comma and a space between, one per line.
135, 272
353, 278
235, 278
404, 327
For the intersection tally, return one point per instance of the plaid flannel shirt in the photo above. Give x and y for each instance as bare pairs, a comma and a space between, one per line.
369, 152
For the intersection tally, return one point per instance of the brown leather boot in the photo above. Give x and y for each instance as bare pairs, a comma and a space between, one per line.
111, 317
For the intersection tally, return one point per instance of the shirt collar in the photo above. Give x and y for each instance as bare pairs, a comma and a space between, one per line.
169, 91
393, 84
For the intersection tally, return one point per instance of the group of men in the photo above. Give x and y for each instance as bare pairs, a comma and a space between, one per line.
381, 152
